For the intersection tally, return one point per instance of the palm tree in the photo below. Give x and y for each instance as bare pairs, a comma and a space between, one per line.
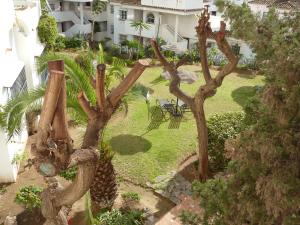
97, 7
139, 25
104, 188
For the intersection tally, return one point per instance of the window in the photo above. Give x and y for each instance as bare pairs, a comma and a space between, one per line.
100, 26
112, 29
150, 18
213, 13
112, 9
123, 15
88, 4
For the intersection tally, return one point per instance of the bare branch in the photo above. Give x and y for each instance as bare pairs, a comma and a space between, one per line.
100, 95
175, 79
87, 160
49, 106
226, 49
116, 94
85, 105
181, 62
203, 31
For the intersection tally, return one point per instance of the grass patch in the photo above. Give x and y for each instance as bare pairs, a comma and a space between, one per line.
148, 145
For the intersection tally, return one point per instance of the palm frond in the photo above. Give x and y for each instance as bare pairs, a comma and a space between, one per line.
15, 109
100, 55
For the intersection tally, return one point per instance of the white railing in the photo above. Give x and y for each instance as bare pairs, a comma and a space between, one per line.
78, 29
64, 16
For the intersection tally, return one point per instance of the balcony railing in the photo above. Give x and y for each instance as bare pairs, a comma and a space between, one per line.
20, 85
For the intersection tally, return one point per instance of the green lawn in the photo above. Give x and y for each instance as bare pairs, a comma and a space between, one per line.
146, 146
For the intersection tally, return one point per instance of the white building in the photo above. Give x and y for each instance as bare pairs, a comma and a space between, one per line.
19, 46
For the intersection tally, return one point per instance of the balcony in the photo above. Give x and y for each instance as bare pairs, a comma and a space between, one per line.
174, 4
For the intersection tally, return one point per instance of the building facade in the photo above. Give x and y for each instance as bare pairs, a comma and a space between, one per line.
19, 46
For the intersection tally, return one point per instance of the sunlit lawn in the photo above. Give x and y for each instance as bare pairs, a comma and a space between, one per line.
147, 147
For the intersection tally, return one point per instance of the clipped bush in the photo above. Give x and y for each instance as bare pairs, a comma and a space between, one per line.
29, 197
59, 43
117, 217
131, 196
47, 30
74, 42
69, 174
220, 128
189, 218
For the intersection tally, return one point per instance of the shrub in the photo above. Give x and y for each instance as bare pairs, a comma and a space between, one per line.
189, 218
213, 199
220, 128
47, 30
69, 174
215, 57
74, 42
117, 217
60, 43
248, 63
29, 197
131, 196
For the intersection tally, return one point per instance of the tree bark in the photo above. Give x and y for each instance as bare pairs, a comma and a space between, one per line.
199, 115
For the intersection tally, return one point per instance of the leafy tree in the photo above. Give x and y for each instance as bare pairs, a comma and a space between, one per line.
47, 30
263, 187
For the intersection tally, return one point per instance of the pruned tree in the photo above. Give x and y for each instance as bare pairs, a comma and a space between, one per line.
53, 149
196, 102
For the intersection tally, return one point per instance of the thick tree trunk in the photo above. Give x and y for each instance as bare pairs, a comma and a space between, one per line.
199, 115
92, 133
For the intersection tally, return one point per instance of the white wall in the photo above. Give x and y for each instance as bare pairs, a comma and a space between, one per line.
18, 48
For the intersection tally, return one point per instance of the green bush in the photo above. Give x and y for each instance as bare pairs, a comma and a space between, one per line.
29, 197
213, 199
74, 42
47, 30
69, 174
131, 196
117, 217
220, 128
59, 43
189, 218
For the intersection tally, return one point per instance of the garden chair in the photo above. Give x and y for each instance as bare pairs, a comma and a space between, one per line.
165, 106
182, 106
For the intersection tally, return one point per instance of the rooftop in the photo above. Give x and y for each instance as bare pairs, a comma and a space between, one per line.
138, 3
280, 4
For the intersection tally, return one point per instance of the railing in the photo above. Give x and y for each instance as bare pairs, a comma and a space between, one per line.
79, 29
44, 76
172, 31
18, 86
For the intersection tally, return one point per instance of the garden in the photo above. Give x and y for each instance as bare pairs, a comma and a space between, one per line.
118, 137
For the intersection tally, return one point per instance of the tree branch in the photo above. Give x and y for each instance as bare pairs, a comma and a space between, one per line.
175, 79
100, 95
85, 105
203, 31
49, 107
116, 94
